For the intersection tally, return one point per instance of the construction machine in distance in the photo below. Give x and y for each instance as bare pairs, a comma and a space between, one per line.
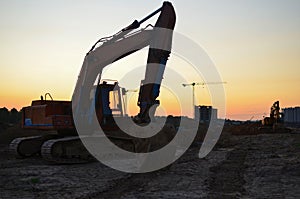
274, 123
65, 145
275, 116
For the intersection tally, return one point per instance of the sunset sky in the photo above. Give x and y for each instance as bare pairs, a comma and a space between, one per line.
254, 44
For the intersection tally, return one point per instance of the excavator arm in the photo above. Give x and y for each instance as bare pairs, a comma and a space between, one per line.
156, 63
122, 44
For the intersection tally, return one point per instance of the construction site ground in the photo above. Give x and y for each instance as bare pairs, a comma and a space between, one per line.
240, 166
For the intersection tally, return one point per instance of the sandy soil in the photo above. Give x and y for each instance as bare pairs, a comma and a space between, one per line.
249, 166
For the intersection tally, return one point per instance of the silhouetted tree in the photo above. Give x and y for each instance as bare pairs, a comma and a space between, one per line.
14, 116
4, 115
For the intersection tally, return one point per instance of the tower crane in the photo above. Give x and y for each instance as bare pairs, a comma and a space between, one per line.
193, 84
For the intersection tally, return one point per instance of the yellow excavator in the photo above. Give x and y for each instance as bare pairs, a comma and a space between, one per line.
275, 115
274, 123
65, 145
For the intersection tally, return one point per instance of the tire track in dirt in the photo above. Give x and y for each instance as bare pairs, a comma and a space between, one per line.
133, 182
227, 178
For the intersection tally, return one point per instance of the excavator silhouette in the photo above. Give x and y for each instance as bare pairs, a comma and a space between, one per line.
274, 123
275, 115
45, 115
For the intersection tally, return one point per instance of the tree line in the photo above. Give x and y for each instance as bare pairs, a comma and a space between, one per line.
12, 116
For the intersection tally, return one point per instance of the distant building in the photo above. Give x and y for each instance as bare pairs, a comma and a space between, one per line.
291, 115
205, 113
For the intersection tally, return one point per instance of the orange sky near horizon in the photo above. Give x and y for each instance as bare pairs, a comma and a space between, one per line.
254, 44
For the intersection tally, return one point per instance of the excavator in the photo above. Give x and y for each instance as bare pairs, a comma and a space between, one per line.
65, 145
274, 123
275, 115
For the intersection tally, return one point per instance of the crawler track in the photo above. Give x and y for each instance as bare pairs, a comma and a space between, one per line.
28, 146
67, 150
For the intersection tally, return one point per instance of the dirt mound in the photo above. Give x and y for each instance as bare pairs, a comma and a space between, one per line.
244, 129
256, 128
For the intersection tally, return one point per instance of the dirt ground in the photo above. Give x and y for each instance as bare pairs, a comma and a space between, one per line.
247, 166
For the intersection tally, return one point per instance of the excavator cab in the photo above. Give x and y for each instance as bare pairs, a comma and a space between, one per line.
109, 103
